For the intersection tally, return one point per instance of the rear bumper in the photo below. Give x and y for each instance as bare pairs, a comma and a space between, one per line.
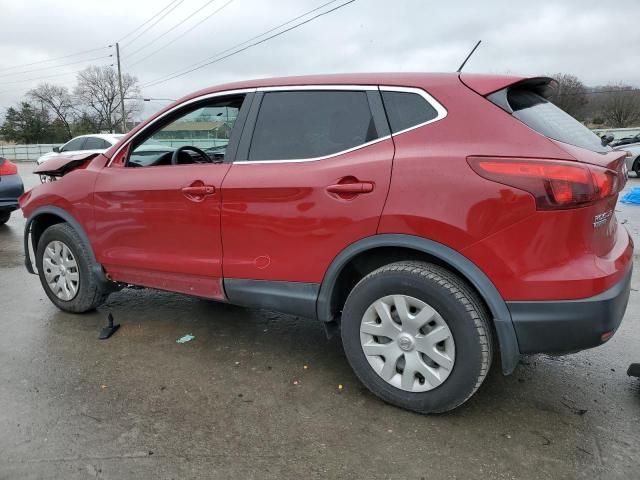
571, 325
11, 188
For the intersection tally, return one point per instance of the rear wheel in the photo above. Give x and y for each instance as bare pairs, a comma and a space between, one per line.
417, 336
63, 264
4, 217
636, 166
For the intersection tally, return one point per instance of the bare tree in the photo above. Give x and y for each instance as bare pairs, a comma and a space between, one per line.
620, 106
58, 100
570, 94
98, 91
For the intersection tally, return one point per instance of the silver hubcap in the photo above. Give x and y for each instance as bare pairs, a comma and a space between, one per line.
61, 270
407, 343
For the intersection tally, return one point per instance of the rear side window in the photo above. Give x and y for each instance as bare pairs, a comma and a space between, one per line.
406, 110
310, 124
94, 143
552, 122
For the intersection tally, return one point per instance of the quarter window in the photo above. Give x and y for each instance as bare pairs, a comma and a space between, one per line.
311, 124
406, 110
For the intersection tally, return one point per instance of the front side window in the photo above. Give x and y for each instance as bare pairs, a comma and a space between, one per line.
74, 145
311, 124
200, 135
406, 110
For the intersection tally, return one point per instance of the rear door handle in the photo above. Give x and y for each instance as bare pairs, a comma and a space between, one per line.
351, 188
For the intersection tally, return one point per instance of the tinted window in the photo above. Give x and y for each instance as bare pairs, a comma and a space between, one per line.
547, 119
73, 145
296, 125
94, 143
406, 110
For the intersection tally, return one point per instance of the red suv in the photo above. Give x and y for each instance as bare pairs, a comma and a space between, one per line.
434, 219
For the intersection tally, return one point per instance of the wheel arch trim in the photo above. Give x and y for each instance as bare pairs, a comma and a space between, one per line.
507, 339
96, 268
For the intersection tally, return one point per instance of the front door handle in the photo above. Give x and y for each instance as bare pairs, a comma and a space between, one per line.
351, 188
197, 191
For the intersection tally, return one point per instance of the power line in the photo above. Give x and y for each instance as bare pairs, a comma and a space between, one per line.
152, 17
209, 2
42, 78
155, 22
55, 66
181, 35
217, 58
22, 88
56, 58
252, 38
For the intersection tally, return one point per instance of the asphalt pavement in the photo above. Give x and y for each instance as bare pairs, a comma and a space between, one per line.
258, 394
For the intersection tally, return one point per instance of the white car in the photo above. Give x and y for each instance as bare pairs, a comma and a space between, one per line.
97, 143
633, 157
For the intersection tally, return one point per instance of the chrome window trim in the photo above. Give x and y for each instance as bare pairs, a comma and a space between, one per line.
177, 107
293, 88
440, 109
313, 159
441, 113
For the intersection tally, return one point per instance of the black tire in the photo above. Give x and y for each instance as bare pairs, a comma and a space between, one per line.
461, 309
636, 167
4, 217
89, 295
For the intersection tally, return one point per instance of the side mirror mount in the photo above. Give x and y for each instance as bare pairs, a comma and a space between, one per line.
56, 149
606, 140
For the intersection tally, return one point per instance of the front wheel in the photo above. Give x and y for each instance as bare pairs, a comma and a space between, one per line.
63, 264
417, 336
4, 217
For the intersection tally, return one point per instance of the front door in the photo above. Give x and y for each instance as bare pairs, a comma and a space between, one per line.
157, 213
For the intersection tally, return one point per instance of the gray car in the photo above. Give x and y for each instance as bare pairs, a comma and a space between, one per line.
11, 188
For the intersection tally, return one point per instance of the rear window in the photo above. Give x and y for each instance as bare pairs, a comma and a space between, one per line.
552, 122
406, 110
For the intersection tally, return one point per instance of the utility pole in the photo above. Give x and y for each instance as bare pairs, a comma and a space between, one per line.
124, 118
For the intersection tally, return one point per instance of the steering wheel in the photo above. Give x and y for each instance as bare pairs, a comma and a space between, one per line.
177, 151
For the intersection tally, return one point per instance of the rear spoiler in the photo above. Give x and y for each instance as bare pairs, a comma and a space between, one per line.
487, 84
59, 166
543, 86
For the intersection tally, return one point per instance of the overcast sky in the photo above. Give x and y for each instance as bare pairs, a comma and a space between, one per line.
598, 41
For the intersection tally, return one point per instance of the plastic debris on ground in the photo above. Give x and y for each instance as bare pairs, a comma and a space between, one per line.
187, 338
632, 197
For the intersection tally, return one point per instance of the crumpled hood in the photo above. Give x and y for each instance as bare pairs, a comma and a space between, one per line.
63, 164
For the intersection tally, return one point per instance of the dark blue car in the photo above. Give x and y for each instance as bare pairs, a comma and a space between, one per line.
10, 189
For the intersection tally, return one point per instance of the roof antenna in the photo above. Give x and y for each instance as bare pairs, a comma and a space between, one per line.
468, 57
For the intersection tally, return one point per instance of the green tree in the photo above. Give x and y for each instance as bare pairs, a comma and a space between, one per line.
28, 123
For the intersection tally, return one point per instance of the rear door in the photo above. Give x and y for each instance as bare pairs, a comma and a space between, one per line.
311, 177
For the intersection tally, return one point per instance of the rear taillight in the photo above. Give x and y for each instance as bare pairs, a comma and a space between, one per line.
7, 167
553, 183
